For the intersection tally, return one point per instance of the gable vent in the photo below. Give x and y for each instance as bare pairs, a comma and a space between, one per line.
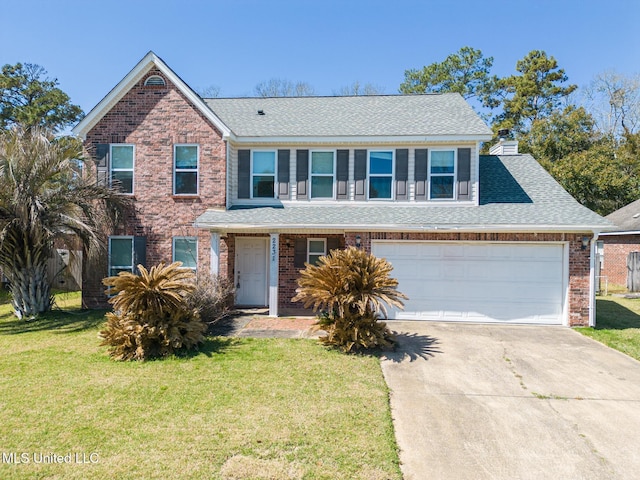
154, 81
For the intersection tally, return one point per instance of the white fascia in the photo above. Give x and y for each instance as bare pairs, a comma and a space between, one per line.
363, 139
628, 232
577, 229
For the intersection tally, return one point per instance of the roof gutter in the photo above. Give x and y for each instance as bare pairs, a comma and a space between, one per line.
369, 139
622, 232
402, 228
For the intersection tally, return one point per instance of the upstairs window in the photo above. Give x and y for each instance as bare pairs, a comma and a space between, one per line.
442, 174
316, 248
185, 250
263, 174
185, 170
322, 171
122, 161
381, 175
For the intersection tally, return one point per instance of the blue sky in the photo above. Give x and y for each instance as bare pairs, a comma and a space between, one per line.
90, 45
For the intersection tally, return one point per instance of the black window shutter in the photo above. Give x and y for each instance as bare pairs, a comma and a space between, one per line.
283, 174
299, 252
420, 174
302, 173
102, 163
342, 174
333, 243
464, 173
244, 173
402, 173
139, 253
360, 173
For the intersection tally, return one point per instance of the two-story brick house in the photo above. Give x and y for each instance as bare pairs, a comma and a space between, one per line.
252, 188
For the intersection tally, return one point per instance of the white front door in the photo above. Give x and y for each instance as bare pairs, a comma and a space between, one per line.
251, 271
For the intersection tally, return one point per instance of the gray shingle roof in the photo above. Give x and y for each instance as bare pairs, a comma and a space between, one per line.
626, 218
515, 193
378, 115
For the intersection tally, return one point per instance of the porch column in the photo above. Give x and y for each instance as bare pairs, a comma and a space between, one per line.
274, 264
215, 254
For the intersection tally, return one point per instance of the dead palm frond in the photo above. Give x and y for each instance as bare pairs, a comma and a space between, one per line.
352, 288
151, 315
47, 192
350, 280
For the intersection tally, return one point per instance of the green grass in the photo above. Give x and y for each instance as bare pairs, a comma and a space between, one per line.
240, 408
617, 324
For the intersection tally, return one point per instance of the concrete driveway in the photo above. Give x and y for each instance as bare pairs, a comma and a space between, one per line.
512, 402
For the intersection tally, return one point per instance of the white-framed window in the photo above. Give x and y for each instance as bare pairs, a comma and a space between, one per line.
442, 174
263, 173
380, 169
316, 248
122, 163
120, 255
185, 250
185, 169
322, 168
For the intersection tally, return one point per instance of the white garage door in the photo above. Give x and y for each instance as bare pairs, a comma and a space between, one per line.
478, 282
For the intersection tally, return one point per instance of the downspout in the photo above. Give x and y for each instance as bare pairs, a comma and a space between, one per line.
592, 279
227, 176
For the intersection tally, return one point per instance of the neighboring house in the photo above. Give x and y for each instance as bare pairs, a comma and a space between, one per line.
616, 246
252, 188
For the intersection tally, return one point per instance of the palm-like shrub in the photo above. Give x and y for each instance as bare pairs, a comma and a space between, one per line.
46, 194
151, 317
351, 288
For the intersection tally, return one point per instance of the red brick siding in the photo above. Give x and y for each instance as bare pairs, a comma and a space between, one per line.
288, 273
154, 119
616, 250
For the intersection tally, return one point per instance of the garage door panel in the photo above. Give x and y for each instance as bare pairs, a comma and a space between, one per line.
516, 283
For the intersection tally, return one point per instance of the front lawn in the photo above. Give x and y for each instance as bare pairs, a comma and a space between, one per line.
617, 324
240, 408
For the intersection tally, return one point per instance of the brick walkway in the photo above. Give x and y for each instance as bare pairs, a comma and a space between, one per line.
249, 324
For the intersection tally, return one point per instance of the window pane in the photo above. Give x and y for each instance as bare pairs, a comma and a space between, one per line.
321, 187
123, 181
187, 157
185, 251
186, 182
115, 271
264, 162
322, 162
316, 246
442, 162
263, 187
442, 187
122, 156
121, 252
313, 259
381, 162
380, 187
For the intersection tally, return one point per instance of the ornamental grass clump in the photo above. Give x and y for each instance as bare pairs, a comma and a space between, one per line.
151, 317
351, 288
